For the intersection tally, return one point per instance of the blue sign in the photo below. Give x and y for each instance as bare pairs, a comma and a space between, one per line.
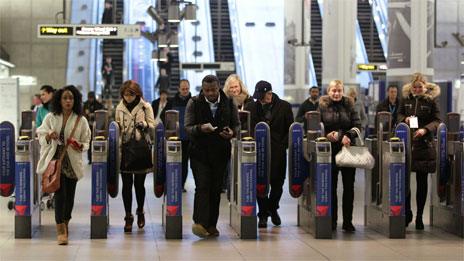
248, 191
23, 189
113, 159
397, 188
160, 167
323, 189
7, 159
402, 132
99, 184
299, 166
444, 173
182, 134
262, 138
174, 188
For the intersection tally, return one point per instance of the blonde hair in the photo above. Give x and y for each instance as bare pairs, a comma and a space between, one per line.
334, 83
418, 77
353, 92
235, 77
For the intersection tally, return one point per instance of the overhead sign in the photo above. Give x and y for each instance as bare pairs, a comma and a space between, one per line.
111, 31
371, 67
219, 66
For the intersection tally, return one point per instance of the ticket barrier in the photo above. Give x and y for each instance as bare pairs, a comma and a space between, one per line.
27, 181
385, 184
447, 208
242, 187
167, 153
7, 160
105, 172
310, 176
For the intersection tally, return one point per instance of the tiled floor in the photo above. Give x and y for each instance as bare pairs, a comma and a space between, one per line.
287, 242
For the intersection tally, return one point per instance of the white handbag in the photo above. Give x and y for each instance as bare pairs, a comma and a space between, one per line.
355, 156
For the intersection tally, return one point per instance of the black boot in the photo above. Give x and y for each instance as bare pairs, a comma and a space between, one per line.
129, 220
408, 217
419, 223
275, 218
140, 218
262, 223
348, 226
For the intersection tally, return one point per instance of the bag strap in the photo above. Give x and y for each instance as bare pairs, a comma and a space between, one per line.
70, 136
360, 136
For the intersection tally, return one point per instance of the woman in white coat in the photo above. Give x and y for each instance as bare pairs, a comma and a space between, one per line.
134, 116
54, 132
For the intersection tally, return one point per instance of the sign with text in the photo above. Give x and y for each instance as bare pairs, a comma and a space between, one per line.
110, 31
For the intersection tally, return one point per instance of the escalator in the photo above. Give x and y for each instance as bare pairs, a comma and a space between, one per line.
369, 33
222, 36
316, 40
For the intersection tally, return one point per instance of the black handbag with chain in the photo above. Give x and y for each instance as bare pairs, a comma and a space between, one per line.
136, 154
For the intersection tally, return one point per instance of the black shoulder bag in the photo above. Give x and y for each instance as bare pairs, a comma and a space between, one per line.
136, 154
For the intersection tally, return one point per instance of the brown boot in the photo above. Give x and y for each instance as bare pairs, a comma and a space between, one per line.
62, 235
66, 222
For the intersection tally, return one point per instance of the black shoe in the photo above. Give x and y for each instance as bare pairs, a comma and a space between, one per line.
408, 217
419, 223
128, 226
262, 223
275, 218
348, 227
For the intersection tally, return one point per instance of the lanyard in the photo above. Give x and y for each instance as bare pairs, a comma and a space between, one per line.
392, 108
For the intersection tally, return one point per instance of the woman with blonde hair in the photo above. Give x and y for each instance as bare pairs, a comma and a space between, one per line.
339, 117
235, 89
134, 116
358, 106
421, 112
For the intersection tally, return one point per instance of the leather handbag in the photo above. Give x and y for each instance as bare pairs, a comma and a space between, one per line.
136, 154
355, 156
52, 175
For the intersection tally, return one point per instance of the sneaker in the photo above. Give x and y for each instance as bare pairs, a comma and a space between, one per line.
262, 223
199, 230
348, 227
275, 218
419, 223
408, 217
213, 232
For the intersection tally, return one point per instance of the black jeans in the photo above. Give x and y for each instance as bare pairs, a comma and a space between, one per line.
64, 199
208, 183
278, 169
348, 177
185, 158
421, 192
138, 180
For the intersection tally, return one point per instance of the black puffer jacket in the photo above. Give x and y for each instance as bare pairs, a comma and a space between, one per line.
340, 117
209, 147
279, 122
425, 108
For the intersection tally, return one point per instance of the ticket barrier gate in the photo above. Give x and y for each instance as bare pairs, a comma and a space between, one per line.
310, 176
447, 208
167, 169
7, 160
242, 187
27, 181
385, 193
105, 172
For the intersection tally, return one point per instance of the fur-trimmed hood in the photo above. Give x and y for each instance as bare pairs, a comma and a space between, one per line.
432, 90
325, 101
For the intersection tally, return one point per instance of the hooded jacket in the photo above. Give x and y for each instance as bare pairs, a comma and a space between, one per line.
425, 108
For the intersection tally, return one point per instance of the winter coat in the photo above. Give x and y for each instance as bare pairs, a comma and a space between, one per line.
340, 117
385, 106
360, 109
306, 106
179, 104
82, 135
426, 109
242, 100
142, 112
155, 107
210, 147
279, 123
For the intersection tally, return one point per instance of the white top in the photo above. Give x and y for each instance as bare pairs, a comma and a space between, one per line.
82, 135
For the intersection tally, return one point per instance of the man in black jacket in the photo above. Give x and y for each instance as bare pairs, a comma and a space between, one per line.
390, 104
90, 106
211, 120
309, 104
278, 114
179, 102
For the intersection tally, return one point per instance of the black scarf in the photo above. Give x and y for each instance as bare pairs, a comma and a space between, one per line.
131, 106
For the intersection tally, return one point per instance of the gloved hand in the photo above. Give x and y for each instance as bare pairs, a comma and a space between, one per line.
140, 125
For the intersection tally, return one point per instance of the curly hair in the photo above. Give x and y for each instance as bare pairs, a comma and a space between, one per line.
56, 102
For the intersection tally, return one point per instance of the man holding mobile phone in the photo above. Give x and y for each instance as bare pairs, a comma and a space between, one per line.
211, 120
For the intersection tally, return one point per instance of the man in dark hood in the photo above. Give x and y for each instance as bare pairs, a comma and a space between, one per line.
278, 114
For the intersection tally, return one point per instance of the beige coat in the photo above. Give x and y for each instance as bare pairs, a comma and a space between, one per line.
142, 112
47, 150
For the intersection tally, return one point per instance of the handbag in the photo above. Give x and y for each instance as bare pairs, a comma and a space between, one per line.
355, 156
136, 154
52, 175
